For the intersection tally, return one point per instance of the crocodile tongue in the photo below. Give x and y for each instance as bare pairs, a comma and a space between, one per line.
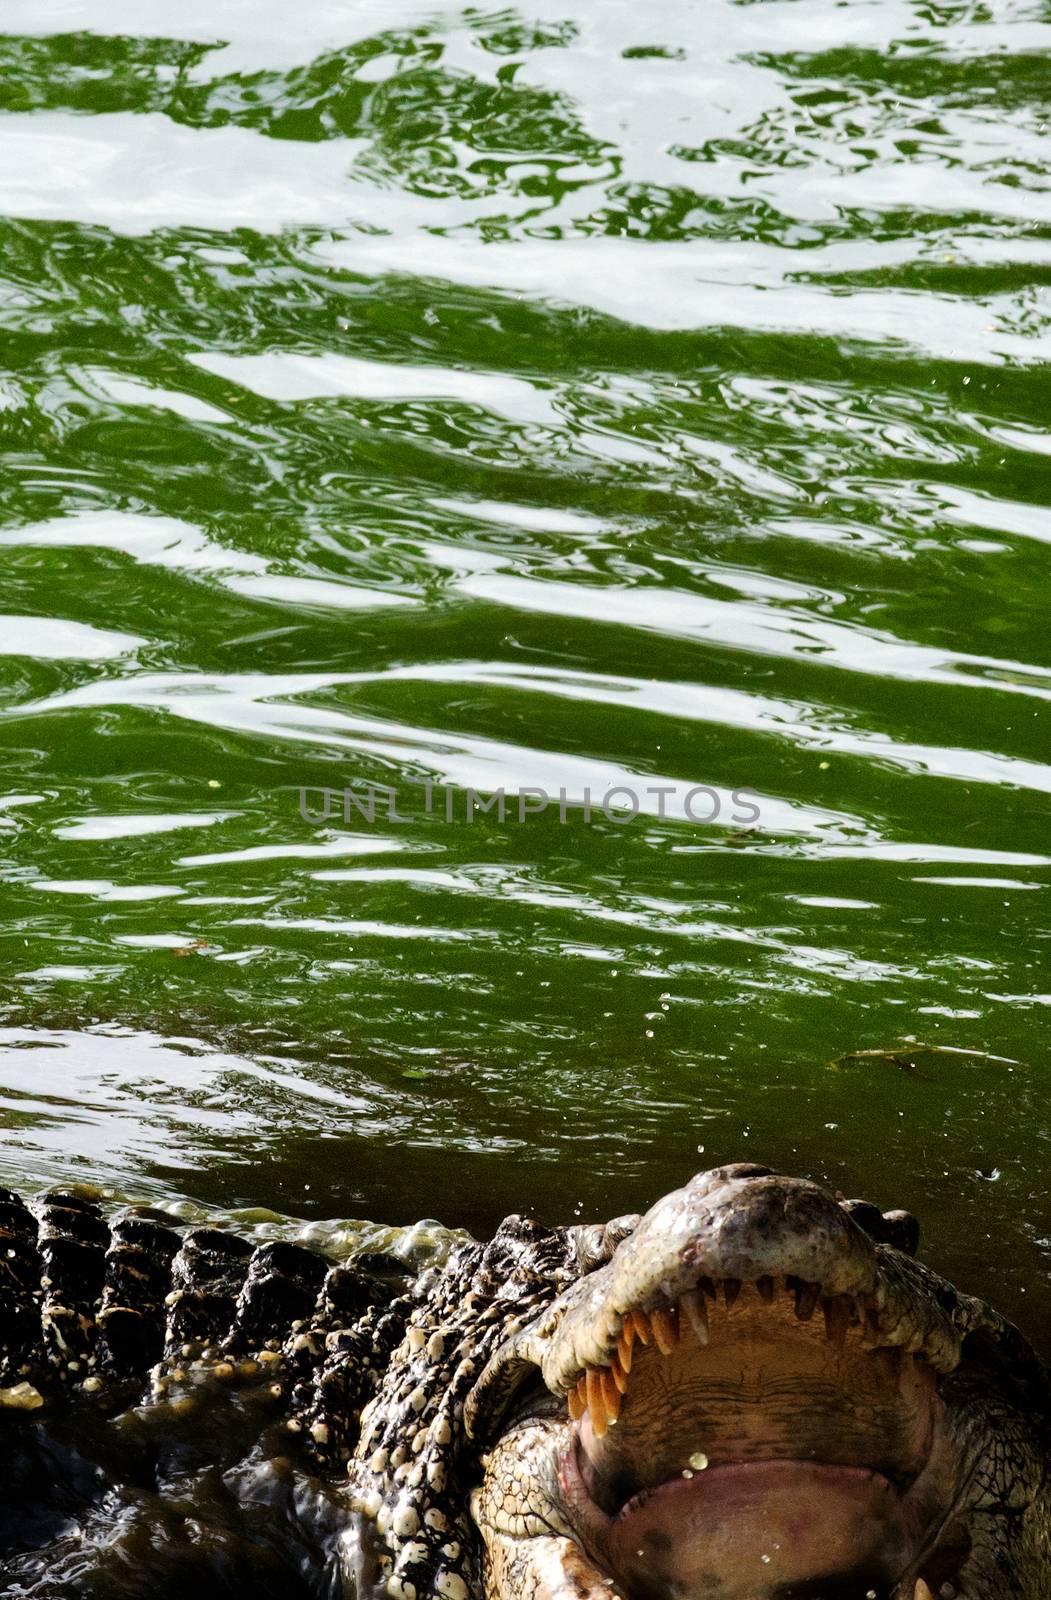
752, 1531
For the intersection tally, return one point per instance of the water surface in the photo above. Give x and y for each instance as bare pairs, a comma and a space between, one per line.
574, 398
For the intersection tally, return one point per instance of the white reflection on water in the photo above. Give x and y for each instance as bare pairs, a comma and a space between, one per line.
179, 546
130, 825
248, 702
739, 625
134, 1098
59, 639
665, 286
283, 375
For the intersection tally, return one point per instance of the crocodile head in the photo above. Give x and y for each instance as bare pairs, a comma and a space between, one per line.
767, 1397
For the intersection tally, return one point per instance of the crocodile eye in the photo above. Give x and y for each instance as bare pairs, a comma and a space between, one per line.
621, 1228
867, 1216
897, 1228
740, 1169
903, 1231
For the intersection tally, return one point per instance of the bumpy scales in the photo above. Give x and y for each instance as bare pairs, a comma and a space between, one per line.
751, 1393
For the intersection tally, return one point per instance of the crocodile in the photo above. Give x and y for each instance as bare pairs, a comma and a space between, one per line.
755, 1391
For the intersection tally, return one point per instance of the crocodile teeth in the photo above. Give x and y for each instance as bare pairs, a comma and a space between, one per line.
599, 1393
596, 1398
921, 1591
600, 1390
870, 1330
665, 1323
807, 1296
837, 1319
692, 1303
641, 1324
612, 1396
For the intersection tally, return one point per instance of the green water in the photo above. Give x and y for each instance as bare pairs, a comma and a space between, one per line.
579, 397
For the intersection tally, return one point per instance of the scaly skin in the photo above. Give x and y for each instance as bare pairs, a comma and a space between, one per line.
752, 1393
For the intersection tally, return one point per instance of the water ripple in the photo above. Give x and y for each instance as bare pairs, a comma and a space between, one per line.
428, 403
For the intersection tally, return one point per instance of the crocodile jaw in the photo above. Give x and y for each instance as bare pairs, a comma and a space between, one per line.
775, 1455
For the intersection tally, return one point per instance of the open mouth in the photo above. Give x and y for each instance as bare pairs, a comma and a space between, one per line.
763, 1438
